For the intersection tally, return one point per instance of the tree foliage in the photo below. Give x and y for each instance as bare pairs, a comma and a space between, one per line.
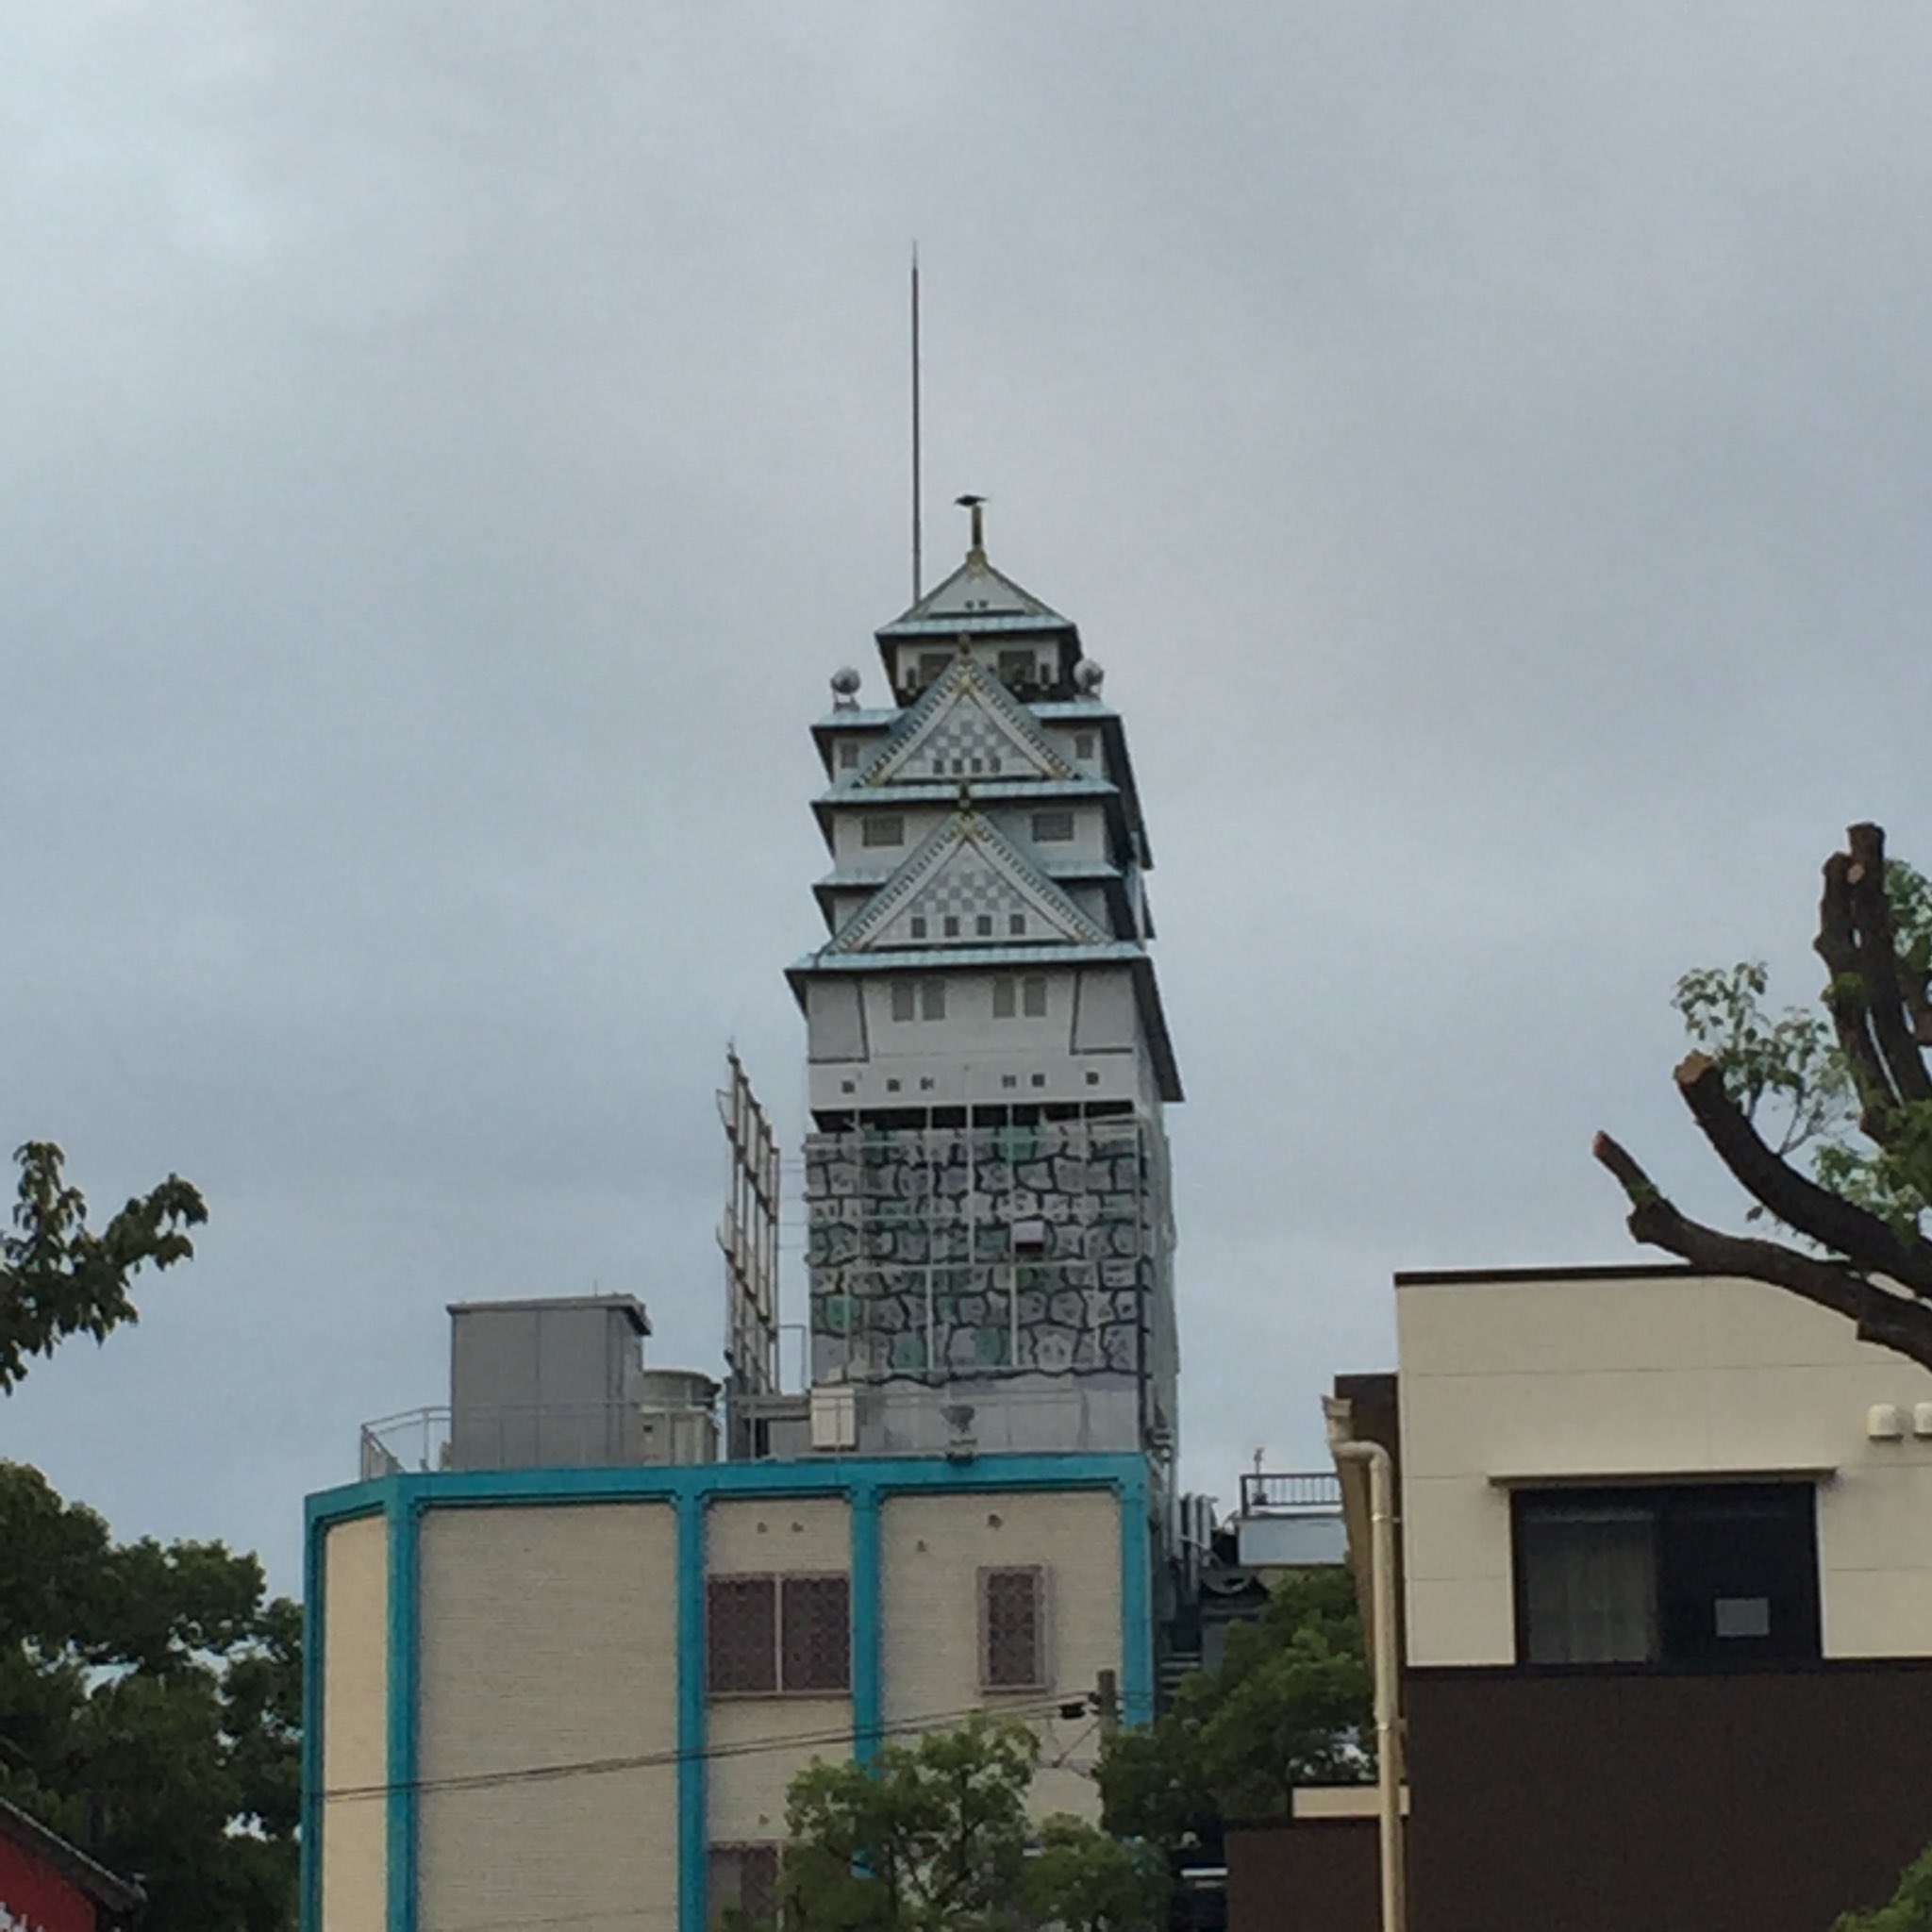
934, 1836
1825, 1119
59, 1277
150, 1700
1290, 1705
1909, 1909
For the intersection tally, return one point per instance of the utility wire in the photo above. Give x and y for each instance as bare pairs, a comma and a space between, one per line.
649, 1760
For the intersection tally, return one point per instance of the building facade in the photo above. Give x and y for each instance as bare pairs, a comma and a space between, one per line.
1666, 1590
987, 1182
563, 1662
48, 1885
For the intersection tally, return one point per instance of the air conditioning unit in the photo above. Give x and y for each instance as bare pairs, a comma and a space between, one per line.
834, 1417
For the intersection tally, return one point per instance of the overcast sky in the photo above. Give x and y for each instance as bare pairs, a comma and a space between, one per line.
446, 447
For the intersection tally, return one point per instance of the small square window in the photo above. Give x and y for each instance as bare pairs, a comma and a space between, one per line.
925, 1086
848, 1086
1009, 1079
1003, 1001
744, 1880
992, 765
1033, 995
1039, 1079
1016, 924
905, 1000
1092, 1079
1017, 667
888, 828
917, 926
978, 764
932, 665
891, 1086
982, 924
1053, 828
951, 926
1082, 744
848, 753
932, 999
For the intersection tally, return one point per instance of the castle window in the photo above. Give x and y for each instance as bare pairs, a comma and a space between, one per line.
918, 926
1016, 667
1003, 1001
1033, 995
887, 828
1016, 923
932, 665
1052, 827
1082, 744
982, 924
905, 1000
932, 999
1012, 1629
952, 925
848, 753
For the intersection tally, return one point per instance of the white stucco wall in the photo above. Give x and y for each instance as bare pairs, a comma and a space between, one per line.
1664, 1375
549, 1638
355, 1725
746, 1787
931, 1551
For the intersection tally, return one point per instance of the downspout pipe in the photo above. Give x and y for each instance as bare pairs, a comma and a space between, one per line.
1386, 1658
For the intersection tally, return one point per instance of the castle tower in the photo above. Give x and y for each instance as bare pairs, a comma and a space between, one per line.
991, 1234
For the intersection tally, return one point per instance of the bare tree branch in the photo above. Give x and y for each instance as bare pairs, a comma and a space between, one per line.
1867, 1243
1846, 1001
1878, 963
1894, 1321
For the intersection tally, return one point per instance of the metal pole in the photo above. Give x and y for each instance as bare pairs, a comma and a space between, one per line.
917, 541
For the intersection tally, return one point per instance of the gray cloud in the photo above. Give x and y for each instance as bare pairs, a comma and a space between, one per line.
447, 446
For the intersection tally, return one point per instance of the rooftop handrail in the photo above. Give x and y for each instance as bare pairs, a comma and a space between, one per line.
1291, 1492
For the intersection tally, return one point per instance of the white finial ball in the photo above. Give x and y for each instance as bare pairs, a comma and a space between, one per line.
846, 682
1088, 675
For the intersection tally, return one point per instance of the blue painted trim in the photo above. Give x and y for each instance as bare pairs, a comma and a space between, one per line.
321, 1514
693, 1836
868, 1678
403, 1512
1137, 1603
820, 1476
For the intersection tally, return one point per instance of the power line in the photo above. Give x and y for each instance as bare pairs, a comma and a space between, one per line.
652, 1760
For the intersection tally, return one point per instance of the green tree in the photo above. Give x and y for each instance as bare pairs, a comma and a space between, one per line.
1910, 1908
150, 1699
934, 1836
1289, 1704
1825, 1121
59, 1277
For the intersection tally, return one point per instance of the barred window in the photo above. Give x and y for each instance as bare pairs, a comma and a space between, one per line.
1012, 1629
1016, 921
905, 1000
932, 999
888, 828
816, 1621
1033, 995
1003, 1006
932, 665
740, 1635
744, 1878
918, 926
1052, 827
766, 1634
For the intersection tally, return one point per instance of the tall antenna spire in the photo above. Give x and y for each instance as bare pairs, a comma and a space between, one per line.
917, 541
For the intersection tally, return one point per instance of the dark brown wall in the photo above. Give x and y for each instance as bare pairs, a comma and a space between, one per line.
1317, 1876
1766, 1802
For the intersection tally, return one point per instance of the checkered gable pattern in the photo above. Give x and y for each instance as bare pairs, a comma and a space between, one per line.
971, 744
957, 899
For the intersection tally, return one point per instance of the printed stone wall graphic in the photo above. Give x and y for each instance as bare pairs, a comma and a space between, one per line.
959, 1251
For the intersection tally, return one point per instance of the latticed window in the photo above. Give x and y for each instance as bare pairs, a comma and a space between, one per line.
885, 828
767, 1634
815, 1621
1012, 1629
1052, 827
744, 1878
1033, 995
